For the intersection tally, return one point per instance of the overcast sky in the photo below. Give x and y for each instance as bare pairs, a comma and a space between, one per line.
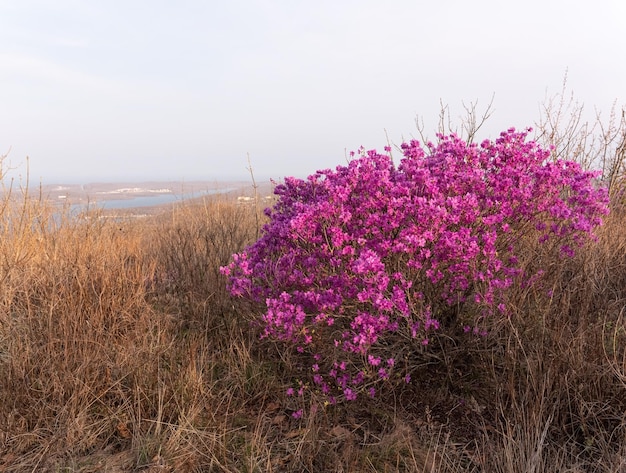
137, 89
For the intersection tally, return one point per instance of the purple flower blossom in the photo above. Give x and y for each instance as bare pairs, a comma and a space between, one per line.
361, 259
373, 360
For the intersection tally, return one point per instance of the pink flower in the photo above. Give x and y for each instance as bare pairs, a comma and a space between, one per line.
357, 261
373, 360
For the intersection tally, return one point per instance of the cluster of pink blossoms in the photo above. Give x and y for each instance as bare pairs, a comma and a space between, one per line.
357, 260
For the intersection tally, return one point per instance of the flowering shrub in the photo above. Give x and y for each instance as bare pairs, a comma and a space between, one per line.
360, 264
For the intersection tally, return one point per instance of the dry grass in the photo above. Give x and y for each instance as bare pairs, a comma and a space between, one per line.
120, 350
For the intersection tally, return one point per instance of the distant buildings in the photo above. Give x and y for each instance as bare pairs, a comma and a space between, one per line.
245, 199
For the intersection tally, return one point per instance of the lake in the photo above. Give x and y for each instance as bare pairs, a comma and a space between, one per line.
145, 200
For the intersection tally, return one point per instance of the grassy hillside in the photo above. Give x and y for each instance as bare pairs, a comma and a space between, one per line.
121, 350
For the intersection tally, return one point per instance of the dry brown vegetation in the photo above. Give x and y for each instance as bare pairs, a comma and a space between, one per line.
121, 351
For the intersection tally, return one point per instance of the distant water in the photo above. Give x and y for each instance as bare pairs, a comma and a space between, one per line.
146, 201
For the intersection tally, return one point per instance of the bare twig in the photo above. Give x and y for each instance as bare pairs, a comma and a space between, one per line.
256, 196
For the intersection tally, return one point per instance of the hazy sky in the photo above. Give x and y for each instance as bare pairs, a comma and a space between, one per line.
137, 89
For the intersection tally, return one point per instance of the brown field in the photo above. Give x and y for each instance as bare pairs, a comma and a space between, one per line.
121, 351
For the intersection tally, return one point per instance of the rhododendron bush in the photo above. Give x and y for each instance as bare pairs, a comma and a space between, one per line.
360, 265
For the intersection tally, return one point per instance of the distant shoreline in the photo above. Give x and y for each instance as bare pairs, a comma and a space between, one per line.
143, 196
108, 191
